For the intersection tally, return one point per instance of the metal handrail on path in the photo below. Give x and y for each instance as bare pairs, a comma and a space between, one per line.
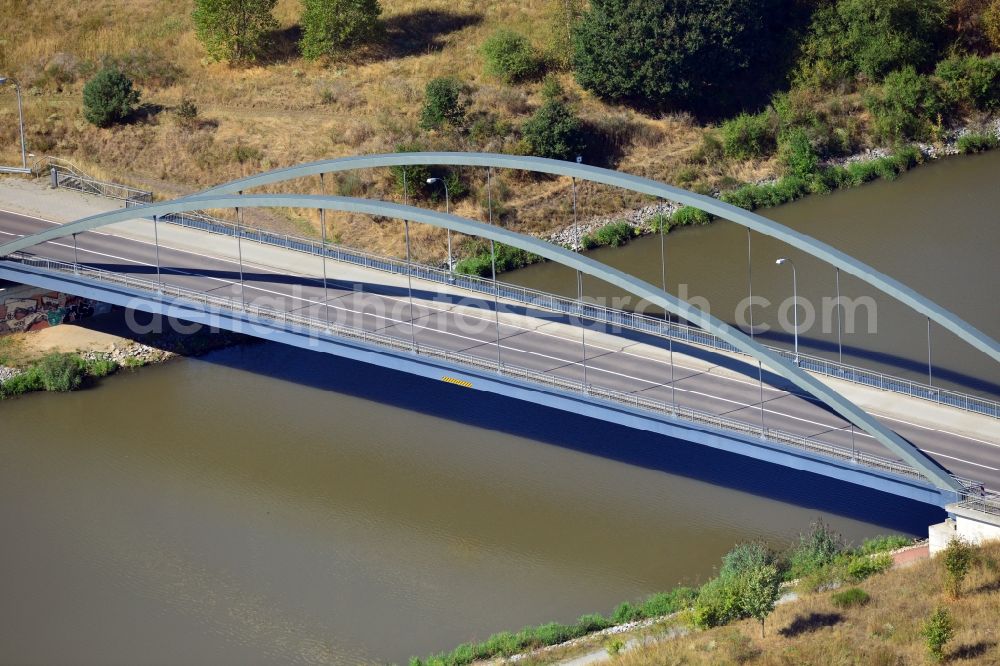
504, 369
599, 313
74, 180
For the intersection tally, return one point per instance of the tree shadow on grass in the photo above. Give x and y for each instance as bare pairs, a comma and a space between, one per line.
422, 30
283, 45
973, 651
806, 623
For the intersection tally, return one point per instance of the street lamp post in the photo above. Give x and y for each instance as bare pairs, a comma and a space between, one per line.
447, 209
20, 118
795, 301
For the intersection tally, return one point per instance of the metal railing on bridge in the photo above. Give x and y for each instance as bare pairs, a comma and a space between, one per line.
291, 321
569, 306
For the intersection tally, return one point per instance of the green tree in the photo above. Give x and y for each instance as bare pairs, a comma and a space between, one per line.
872, 38
109, 98
711, 57
332, 26
234, 30
443, 103
760, 589
957, 558
938, 630
554, 131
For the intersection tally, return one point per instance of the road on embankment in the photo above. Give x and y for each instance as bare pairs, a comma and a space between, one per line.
968, 445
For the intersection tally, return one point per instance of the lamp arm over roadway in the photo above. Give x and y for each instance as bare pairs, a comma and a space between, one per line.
758, 223
937, 475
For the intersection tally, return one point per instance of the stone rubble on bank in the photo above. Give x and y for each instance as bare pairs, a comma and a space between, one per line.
130, 354
641, 218
8, 373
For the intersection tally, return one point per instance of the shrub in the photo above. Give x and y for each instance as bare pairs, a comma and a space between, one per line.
442, 103
626, 612
957, 560
883, 544
713, 57
849, 598
861, 567
748, 136
234, 30
101, 367
689, 215
976, 142
554, 131
332, 26
60, 372
187, 111
410, 180
906, 106
508, 258
872, 38
746, 581
971, 82
614, 234
510, 57
796, 153
938, 630
666, 603
109, 98
817, 548
752, 197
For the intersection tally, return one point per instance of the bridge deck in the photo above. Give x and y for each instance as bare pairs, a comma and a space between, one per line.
967, 444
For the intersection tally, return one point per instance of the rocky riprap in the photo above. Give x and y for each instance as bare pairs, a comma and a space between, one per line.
8, 373
641, 218
129, 353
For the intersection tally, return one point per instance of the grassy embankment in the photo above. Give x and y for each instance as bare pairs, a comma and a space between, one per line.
819, 562
55, 371
286, 110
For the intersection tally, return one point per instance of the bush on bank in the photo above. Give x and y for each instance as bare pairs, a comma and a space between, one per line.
819, 554
57, 372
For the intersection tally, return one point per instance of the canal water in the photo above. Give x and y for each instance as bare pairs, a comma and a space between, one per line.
265, 504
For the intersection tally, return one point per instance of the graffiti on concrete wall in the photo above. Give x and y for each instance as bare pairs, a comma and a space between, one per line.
31, 309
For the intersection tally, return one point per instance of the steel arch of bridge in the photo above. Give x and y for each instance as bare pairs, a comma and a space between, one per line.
758, 223
938, 476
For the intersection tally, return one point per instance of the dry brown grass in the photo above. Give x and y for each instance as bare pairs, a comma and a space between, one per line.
884, 632
287, 110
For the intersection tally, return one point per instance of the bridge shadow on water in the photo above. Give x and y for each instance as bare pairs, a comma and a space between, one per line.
592, 436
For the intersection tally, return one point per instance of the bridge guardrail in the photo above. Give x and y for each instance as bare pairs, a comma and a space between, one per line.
599, 313
296, 321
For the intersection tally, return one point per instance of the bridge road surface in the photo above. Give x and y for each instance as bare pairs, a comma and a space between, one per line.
966, 444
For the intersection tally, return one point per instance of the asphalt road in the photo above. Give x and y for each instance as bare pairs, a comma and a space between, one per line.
385, 307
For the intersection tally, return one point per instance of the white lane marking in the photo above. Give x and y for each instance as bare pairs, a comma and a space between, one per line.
967, 462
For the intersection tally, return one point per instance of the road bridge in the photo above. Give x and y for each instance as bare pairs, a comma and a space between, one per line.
505, 345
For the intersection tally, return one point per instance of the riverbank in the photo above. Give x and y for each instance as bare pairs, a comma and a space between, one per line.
852, 171
821, 561
84, 352
875, 616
